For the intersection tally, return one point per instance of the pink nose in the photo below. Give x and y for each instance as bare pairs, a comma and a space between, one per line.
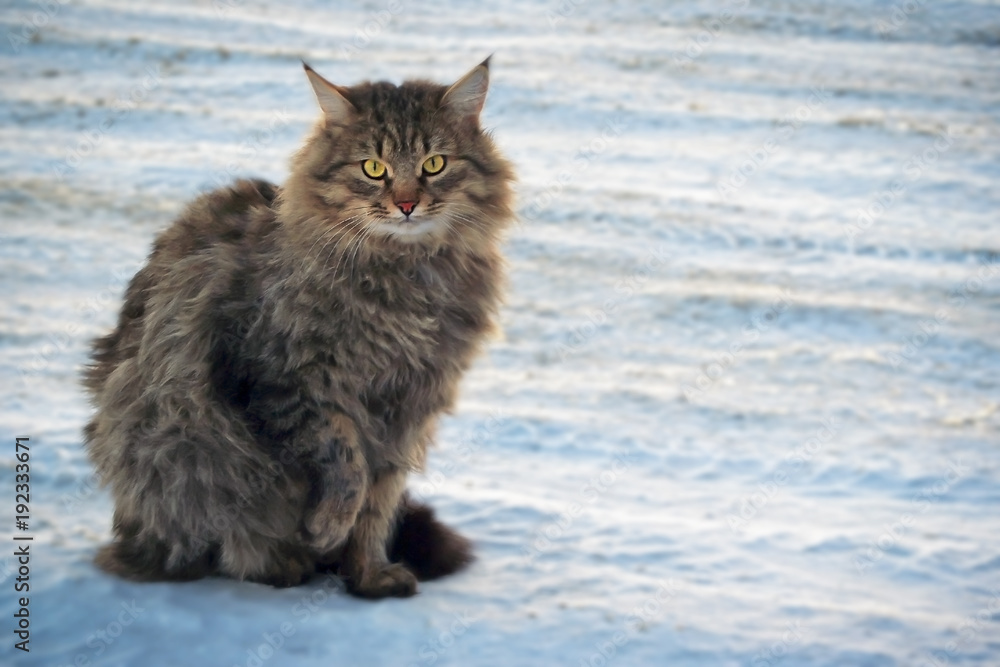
406, 206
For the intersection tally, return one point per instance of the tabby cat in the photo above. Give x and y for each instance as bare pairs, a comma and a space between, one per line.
280, 362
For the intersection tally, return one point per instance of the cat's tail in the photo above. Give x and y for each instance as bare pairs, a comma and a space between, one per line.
426, 546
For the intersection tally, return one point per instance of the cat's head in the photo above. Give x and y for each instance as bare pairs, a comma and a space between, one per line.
399, 167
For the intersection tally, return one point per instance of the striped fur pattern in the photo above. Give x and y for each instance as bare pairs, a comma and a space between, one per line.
280, 361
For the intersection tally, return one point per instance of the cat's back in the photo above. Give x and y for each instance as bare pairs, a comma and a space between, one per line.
212, 245
218, 221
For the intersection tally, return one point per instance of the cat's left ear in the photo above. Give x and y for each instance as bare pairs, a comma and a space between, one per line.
467, 96
337, 109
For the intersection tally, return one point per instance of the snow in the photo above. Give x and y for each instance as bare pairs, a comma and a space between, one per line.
751, 427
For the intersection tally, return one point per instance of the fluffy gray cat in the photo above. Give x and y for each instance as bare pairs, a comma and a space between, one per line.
280, 361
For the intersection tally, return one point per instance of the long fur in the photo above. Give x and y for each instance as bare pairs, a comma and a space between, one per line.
280, 361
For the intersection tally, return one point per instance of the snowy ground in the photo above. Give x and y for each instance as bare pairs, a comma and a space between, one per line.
733, 420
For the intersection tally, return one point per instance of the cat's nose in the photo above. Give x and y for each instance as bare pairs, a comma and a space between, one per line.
406, 207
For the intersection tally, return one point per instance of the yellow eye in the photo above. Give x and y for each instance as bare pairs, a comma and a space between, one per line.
373, 168
434, 164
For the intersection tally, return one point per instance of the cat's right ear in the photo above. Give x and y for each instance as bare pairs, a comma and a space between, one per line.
332, 99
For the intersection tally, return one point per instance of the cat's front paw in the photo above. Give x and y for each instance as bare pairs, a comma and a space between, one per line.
390, 580
330, 523
344, 481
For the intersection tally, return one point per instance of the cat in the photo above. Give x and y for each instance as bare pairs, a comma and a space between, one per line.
280, 361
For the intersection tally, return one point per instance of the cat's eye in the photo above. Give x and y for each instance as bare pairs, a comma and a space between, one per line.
373, 168
434, 164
